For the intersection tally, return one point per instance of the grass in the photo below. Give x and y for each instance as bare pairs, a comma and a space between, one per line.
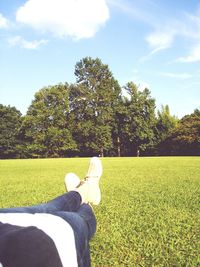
149, 215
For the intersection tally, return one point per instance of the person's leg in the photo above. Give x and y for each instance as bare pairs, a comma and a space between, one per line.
72, 207
70, 201
86, 213
83, 223
89, 192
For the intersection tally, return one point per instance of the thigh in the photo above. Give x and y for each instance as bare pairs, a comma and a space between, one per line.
81, 235
67, 202
86, 212
32, 209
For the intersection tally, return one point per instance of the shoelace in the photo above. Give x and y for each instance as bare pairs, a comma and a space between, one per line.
86, 179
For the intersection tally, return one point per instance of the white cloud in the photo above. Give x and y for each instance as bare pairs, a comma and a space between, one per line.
187, 27
192, 25
74, 18
166, 28
3, 22
160, 40
194, 56
19, 41
130, 9
181, 76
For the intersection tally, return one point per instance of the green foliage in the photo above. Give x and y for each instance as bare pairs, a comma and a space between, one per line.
93, 100
185, 138
149, 215
10, 122
165, 123
45, 126
138, 120
94, 117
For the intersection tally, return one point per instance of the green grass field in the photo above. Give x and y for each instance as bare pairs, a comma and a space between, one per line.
149, 215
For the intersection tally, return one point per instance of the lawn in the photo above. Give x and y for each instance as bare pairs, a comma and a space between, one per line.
149, 215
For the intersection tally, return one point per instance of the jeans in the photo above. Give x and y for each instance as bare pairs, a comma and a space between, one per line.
80, 217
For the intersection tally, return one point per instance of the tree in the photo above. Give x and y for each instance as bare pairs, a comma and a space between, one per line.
165, 123
118, 128
164, 126
10, 122
185, 138
46, 128
92, 104
138, 120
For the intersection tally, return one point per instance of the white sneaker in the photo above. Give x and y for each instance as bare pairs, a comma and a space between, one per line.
71, 181
92, 178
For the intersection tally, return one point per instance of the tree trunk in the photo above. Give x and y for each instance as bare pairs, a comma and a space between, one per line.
102, 152
118, 147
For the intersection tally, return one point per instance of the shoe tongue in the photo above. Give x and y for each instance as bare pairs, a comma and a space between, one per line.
92, 179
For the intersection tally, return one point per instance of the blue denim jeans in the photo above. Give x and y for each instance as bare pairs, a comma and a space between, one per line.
80, 217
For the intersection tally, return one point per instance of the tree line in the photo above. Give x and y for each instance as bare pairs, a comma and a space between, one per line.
95, 116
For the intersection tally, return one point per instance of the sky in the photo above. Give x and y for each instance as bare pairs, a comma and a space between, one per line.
154, 43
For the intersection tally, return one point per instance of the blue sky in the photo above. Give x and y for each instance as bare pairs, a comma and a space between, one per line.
154, 43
